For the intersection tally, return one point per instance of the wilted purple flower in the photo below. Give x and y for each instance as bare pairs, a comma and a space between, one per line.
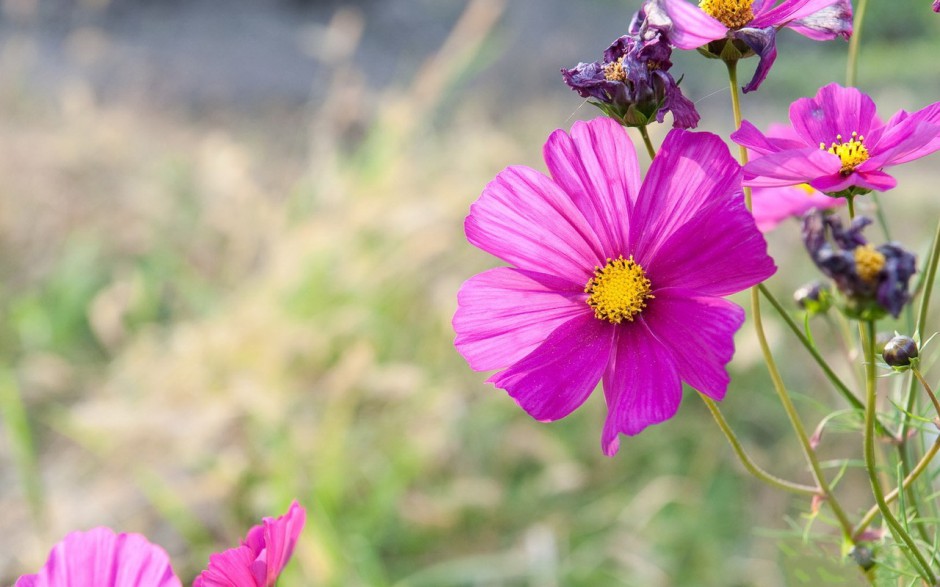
731, 29
613, 278
837, 142
632, 84
874, 280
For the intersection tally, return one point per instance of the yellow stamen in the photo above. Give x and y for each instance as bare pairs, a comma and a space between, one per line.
868, 262
614, 72
852, 153
733, 14
618, 291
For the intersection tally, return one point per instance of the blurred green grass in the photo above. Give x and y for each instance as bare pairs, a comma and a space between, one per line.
200, 335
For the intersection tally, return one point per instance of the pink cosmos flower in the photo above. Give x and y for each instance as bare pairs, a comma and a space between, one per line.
751, 22
260, 558
103, 558
611, 280
771, 206
838, 143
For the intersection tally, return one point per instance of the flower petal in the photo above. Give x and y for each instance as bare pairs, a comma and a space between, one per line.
230, 568
699, 332
718, 252
908, 140
641, 385
763, 43
274, 542
690, 171
596, 165
788, 10
101, 556
687, 26
771, 206
525, 219
791, 167
870, 180
503, 314
833, 21
556, 378
832, 112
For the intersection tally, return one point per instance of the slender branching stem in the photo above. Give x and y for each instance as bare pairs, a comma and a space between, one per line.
646, 140
851, 66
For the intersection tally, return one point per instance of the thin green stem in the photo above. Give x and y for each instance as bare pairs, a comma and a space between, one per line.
893, 495
850, 202
745, 459
880, 215
871, 466
851, 66
824, 489
927, 388
646, 140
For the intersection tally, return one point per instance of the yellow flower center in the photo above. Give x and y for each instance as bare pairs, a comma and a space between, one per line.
618, 291
733, 14
613, 72
852, 153
868, 262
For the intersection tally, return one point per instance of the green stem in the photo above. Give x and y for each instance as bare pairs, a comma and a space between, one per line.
927, 388
851, 67
871, 467
745, 459
824, 489
908, 480
646, 140
850, 201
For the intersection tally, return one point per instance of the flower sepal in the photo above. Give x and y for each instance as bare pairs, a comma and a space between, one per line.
728, 50
849, 192
864, 310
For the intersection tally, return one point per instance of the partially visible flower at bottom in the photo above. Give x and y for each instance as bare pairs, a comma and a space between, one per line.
102, 557
873, 280
936, 5
261, 557
613, 279
771, 206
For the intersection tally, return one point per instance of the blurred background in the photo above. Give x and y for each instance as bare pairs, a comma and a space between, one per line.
230, 243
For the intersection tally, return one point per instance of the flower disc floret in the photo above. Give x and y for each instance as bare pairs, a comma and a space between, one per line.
733, 14
868, 262
618, 291
851, 153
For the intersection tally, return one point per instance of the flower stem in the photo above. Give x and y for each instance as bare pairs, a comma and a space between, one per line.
927, 388
908, 480
824, 489
646, 140
850, 202
851, 66
912, 551
745, 459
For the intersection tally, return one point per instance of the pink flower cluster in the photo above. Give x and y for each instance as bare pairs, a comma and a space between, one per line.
101, 557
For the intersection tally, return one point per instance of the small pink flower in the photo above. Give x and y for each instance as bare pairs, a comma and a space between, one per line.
103, 558
261, 557
614, 279
837, 142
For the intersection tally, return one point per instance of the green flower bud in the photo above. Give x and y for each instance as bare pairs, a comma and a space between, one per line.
814, 297
900, 352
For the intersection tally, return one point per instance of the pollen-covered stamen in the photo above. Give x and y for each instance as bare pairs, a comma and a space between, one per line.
614, 72
734, 14
852, 153
618, 291
868, 262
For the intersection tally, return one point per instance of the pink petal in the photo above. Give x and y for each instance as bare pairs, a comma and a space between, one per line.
773, 205
834, 111
718, 252
748, 136
230, 568
699, 331
833, 21
503, 314
101, 557
641, 385
690, 171
556, 378
791, 167
692, 27
280, 538
788, 10
525, 219
596, 165
871, 180
908, 140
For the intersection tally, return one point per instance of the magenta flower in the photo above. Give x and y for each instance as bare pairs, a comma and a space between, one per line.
838, 143
612, 280
936, 5
261, 557
103, 558
750, 25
